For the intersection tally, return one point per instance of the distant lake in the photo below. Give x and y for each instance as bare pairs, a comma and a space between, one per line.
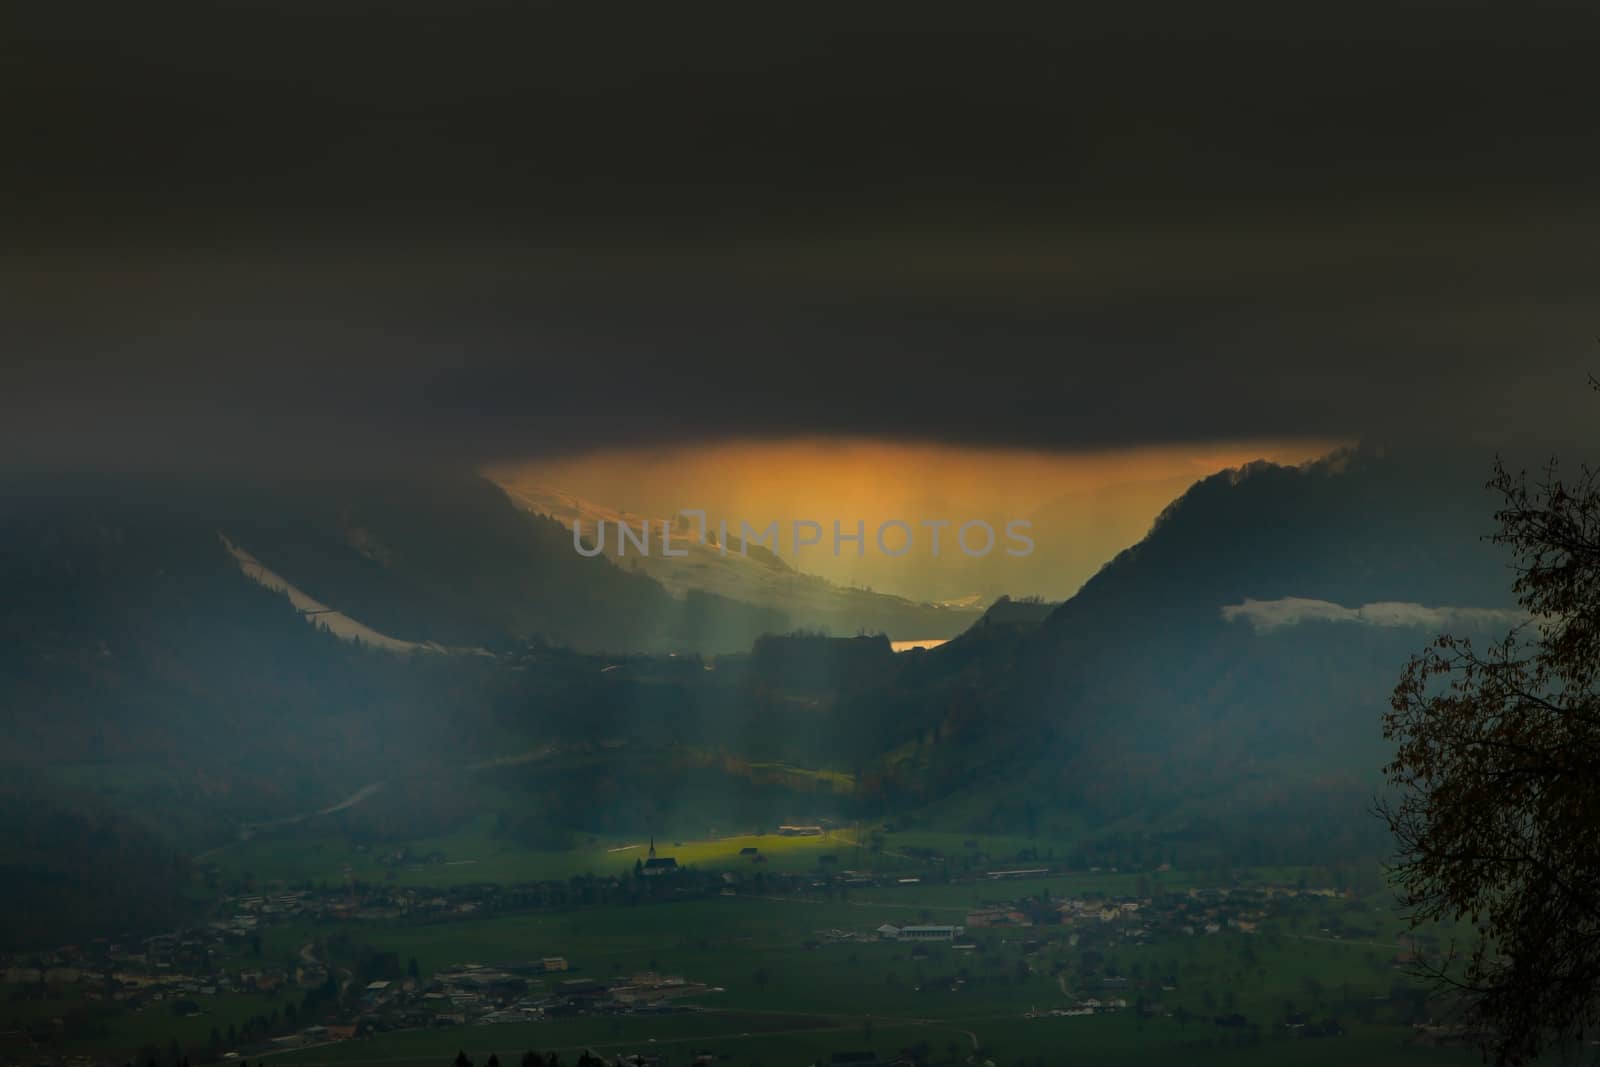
906, 646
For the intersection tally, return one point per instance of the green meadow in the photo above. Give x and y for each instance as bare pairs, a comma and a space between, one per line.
776, 976
475, 855
790, 977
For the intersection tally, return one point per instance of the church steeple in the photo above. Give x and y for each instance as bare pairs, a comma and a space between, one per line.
652, 854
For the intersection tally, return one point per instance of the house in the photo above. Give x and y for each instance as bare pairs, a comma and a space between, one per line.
554, 963
799, 831
659, 865
749, 850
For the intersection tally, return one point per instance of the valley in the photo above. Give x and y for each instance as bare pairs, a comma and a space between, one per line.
760, 948
1148, 808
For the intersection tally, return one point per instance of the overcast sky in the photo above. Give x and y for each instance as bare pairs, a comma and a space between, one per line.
467, 232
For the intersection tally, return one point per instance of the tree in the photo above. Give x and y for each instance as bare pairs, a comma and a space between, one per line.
1496, 799
492, 1061
462, 1060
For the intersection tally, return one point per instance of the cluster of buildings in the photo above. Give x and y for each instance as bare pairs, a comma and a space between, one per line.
479, 995
180, 969
170, 967
244, 914
1194, 912
538, 989
1086, 1006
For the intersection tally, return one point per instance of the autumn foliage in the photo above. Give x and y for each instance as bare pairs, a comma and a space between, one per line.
1496, 802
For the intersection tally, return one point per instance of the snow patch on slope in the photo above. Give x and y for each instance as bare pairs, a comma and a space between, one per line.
337, 622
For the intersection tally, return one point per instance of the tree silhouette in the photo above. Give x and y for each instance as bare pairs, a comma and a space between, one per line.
1497, 798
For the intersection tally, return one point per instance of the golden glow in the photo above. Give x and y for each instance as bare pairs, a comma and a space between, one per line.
1086, 506
824, 479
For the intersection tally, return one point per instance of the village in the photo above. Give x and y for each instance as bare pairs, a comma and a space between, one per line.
319, 1000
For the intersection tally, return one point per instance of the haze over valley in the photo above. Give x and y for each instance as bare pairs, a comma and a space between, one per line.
799, 534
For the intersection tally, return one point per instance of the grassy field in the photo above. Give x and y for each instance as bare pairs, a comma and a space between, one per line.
122, 1032
787, 989
475, 855
775, 973
764, 953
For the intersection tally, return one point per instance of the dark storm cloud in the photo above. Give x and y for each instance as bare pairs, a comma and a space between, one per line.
399, 232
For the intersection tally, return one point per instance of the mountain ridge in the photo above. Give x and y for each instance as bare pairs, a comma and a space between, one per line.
143, 669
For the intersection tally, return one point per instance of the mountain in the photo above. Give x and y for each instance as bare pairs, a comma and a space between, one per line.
1225, 677
750, 575
1214, 692
449, 559
1074, 534
129, 635
164, 688
154, 699
1355, 527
